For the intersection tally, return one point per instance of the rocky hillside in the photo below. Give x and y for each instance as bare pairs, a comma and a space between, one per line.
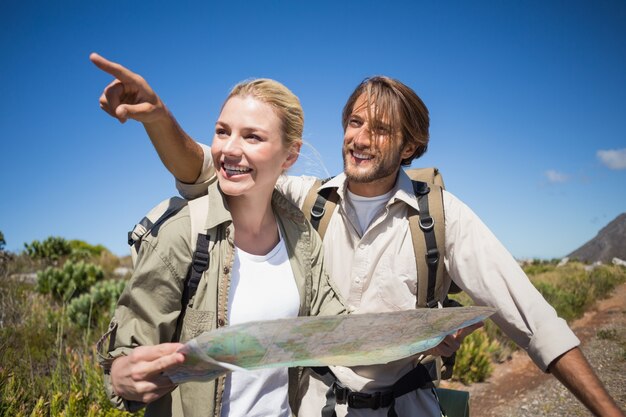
609, 243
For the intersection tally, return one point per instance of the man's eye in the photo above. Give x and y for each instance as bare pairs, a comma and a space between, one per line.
355, 122
221, 132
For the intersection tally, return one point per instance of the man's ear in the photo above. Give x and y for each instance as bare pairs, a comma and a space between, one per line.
292, 157
408, 150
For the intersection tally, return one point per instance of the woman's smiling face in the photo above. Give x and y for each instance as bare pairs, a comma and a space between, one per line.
248, 151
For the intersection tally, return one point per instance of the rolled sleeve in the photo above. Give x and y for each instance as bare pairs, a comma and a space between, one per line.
198, 188
552, 339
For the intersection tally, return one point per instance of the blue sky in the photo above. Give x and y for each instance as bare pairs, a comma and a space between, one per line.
527, 102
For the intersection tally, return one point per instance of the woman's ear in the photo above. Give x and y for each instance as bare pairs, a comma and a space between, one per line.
292, 156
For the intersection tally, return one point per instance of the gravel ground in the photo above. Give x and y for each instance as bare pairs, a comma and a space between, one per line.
552, 399
519, 389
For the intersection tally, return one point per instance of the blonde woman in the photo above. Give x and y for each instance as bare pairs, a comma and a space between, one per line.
265, 263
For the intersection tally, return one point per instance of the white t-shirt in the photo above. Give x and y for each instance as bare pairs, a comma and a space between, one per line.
262, 288
366, 208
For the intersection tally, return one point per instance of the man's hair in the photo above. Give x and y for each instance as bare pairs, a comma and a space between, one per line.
398, 105
286, 105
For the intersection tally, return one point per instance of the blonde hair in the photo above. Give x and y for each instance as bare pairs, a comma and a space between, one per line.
398, 104
285, 103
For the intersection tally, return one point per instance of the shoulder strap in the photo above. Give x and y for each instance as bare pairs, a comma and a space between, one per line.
319, 202
429, 222
429, 250
155, 216
200, 242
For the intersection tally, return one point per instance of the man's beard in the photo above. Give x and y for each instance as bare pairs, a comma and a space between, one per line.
383, 168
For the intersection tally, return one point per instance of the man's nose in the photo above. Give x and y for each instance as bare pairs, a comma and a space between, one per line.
362, 137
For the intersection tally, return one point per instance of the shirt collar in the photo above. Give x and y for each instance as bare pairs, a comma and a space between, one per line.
402, 190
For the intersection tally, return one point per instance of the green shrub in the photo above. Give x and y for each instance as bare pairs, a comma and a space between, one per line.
571, 290
47, 364
70, 281
473, 359
538, 266
85, 309
74, 389
50, 250
605, 278
82, 246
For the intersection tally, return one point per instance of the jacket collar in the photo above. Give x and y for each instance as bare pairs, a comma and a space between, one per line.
219, 212
402, 190
218, 208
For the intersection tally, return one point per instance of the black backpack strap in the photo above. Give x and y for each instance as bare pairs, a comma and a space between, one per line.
431, 260
199, 264
319, 202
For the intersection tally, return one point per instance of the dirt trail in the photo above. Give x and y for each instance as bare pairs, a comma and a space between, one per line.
517, 384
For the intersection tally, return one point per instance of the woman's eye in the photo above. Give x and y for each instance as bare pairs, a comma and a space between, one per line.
253, 138
221, 132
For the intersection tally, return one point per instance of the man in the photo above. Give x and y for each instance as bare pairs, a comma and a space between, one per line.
369, 251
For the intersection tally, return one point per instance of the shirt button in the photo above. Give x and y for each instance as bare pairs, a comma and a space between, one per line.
226, 269
357, 280
220, 322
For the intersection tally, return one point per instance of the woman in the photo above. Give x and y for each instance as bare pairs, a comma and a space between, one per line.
265, 264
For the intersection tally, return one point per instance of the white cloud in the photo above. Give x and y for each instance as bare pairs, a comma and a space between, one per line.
555, 176
613, 158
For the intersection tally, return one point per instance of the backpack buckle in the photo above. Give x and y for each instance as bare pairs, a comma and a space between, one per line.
318, 214
426, 223
432, 256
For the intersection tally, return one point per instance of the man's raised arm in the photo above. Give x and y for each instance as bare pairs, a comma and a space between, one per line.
129, 96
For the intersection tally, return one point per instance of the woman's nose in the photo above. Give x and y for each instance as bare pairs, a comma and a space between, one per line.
232, 145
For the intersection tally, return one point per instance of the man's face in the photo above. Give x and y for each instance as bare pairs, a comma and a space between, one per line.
372, 153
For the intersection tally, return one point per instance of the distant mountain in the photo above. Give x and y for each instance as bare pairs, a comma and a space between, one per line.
608, 244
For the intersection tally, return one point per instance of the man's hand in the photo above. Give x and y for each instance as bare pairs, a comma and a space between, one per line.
452, 342
129, 96
139, 376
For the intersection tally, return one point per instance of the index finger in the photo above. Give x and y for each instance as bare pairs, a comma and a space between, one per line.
118, 71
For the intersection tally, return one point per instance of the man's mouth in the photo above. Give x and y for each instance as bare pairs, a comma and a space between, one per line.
361, 156
235, 169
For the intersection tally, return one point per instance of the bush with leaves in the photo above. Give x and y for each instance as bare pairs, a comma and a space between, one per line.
539, 266
86, 309
50, 250
473, 359
69, 281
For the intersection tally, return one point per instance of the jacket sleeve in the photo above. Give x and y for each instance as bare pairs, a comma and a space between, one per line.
483, 268
326, 299
148, 309
200, 187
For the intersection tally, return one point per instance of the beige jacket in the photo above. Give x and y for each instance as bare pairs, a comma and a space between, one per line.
149, 308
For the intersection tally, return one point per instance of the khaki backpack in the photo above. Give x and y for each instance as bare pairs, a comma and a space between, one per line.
427, 229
